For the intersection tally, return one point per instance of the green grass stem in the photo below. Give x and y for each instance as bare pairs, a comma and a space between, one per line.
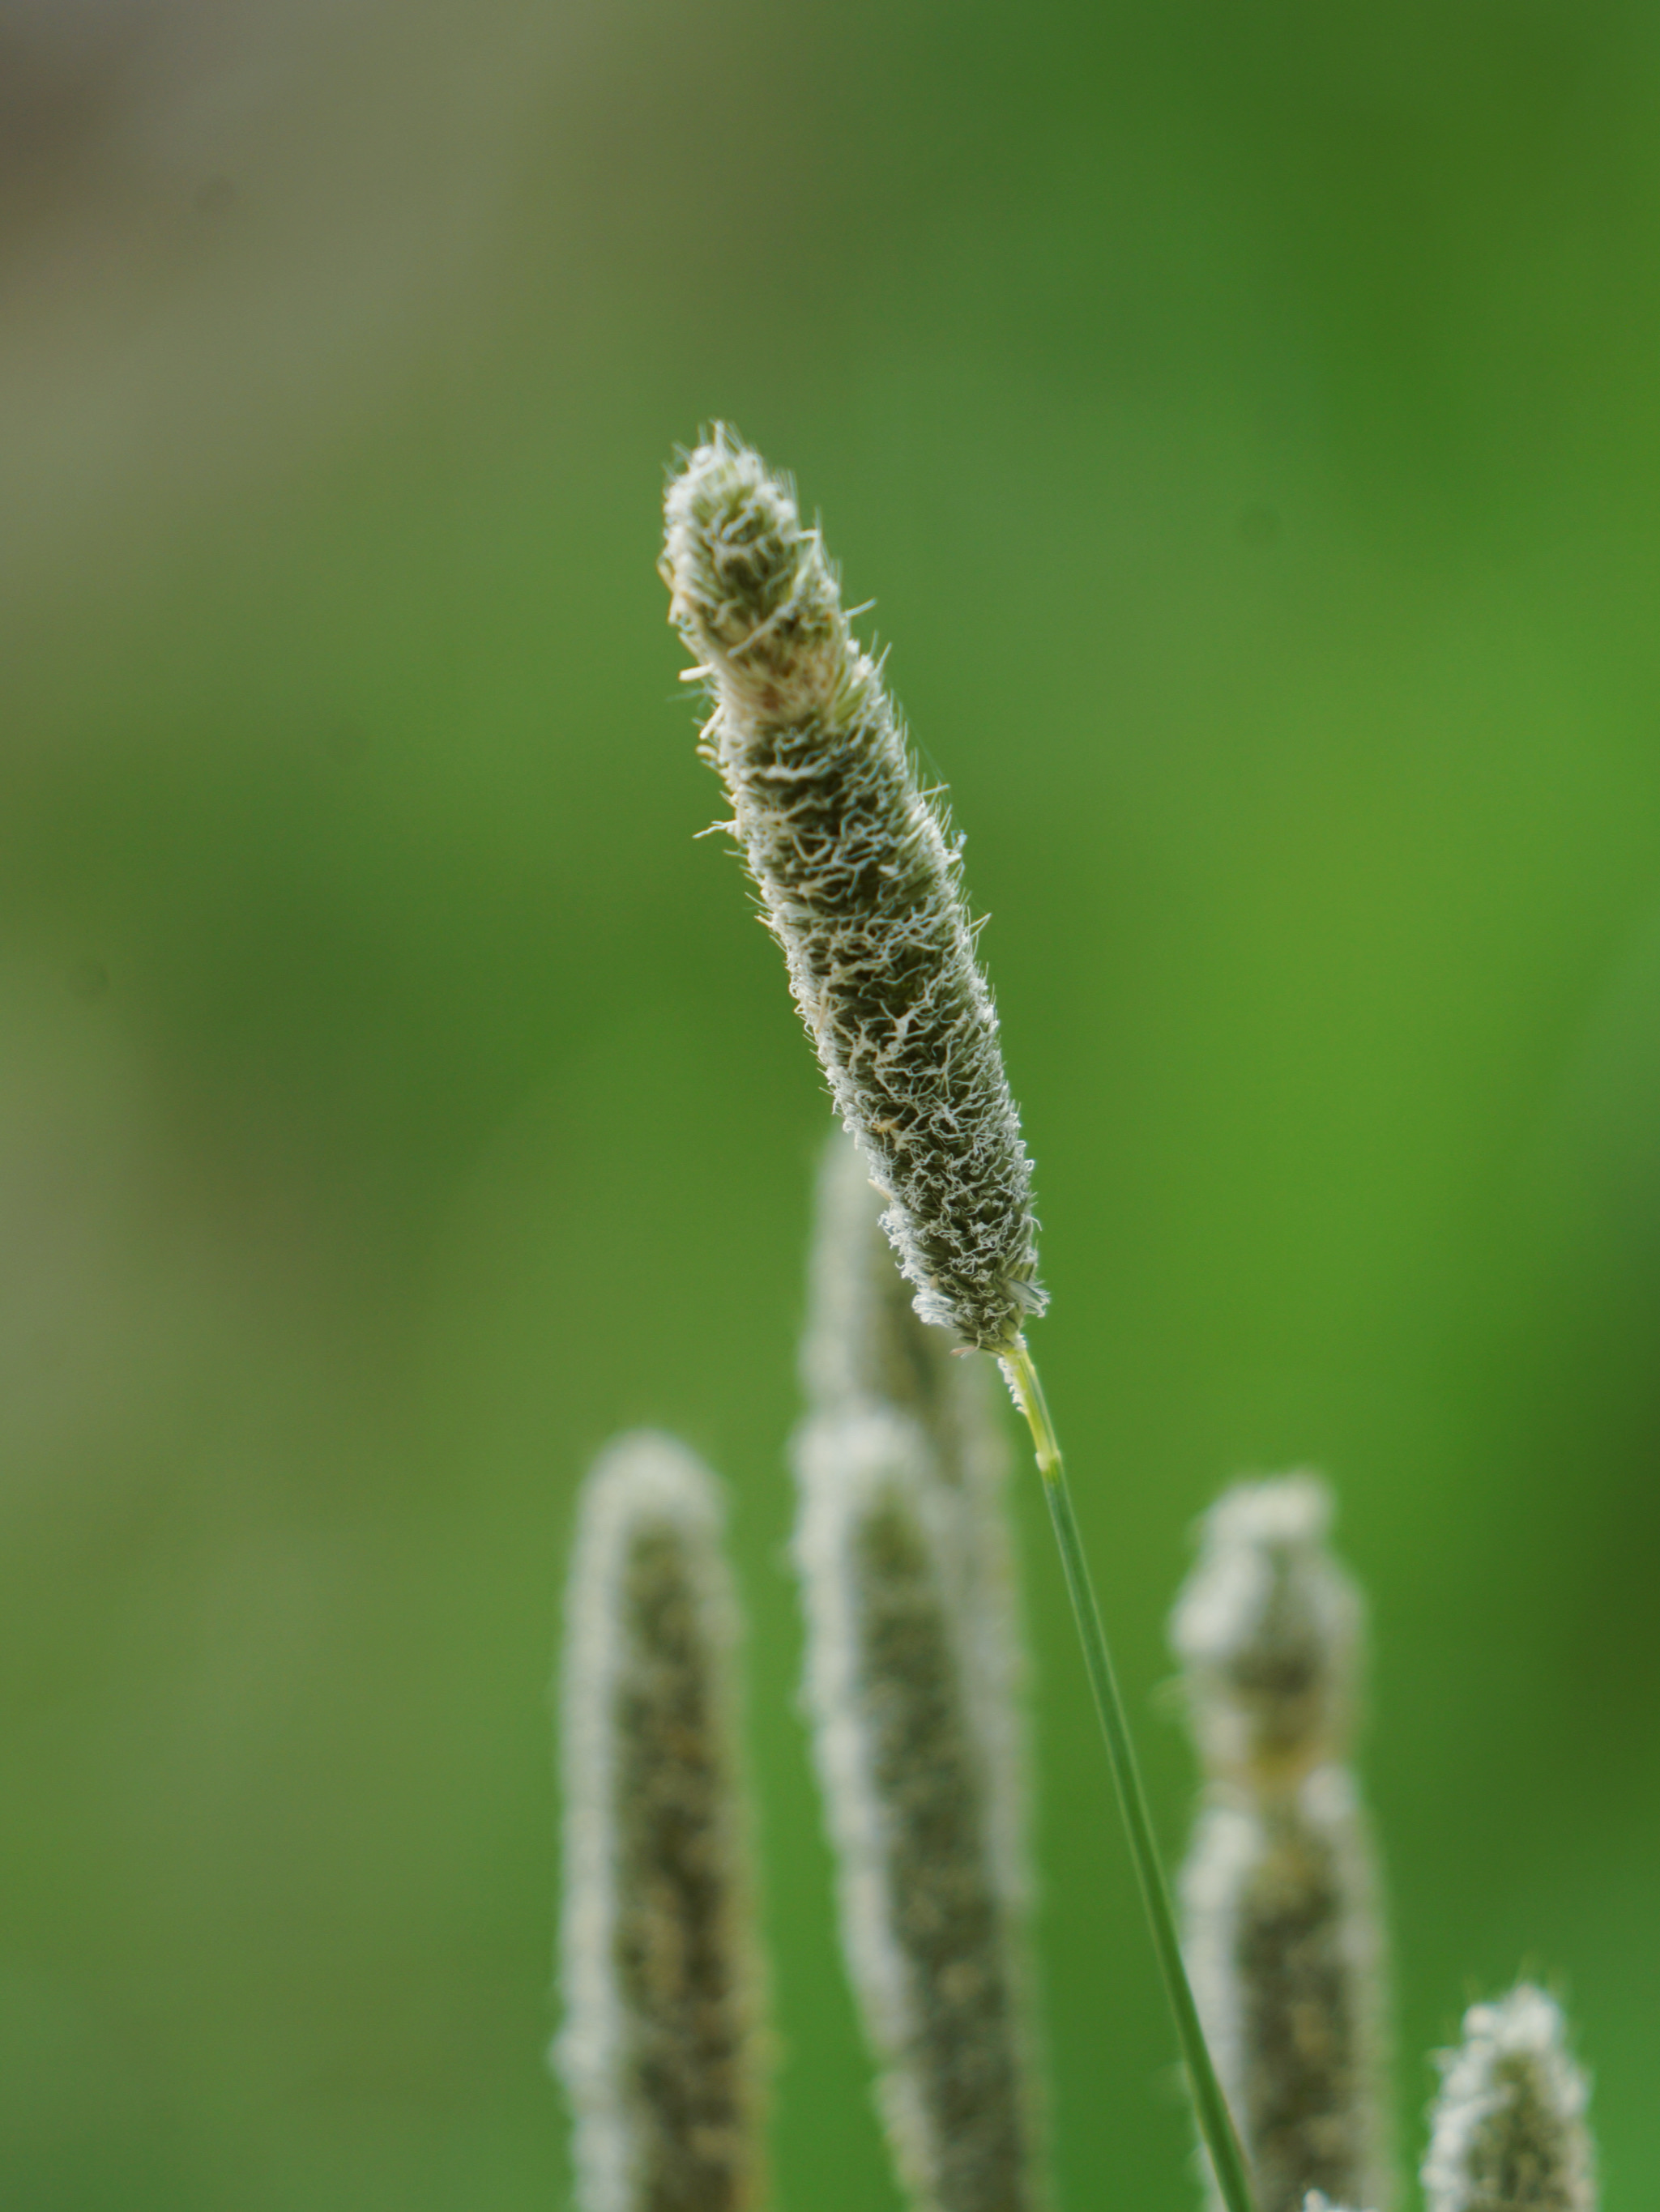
1216, 2126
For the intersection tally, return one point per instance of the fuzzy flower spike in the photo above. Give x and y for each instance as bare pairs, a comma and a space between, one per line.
1508, 2130
862, 887
1267, 1627
663, 2050
1284, 1938
903, 1547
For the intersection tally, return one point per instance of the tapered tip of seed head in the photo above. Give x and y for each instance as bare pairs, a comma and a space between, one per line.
1266, 1626
750, 588
1512, 2101
646, 1477
1525, 2024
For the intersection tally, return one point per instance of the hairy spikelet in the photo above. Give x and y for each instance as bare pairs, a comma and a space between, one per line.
1282, 1945
859, 880
1508, 2130
661, 2046
1282, 1932
927, 1885
1267, 1627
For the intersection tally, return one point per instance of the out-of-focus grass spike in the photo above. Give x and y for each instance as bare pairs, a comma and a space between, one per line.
1508, 2130
929, 1924
1268, 1629
1282, 1931
864, 1348
1283, 1944
662, 2049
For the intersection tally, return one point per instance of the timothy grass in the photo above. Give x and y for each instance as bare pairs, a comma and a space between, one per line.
1277, 1982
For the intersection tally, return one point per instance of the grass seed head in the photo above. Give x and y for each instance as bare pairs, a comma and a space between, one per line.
1268, 1629
929, 1915
861, 885
1508, 2130
1284, 1944
662, 2048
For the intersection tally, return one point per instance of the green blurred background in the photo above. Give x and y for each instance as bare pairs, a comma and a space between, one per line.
1246, 421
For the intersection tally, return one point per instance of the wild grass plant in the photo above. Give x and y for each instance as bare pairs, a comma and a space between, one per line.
925, 1261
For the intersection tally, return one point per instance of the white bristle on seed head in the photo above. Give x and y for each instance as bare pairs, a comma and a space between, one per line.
859, 882
662, 2049
1268, 1628
1508, 2130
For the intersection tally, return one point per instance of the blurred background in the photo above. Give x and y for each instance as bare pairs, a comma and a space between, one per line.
1245, 421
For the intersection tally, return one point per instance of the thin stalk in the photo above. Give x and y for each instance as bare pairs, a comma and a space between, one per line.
1216, 2126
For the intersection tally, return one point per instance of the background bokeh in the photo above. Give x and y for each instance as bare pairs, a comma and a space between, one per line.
1246, 421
